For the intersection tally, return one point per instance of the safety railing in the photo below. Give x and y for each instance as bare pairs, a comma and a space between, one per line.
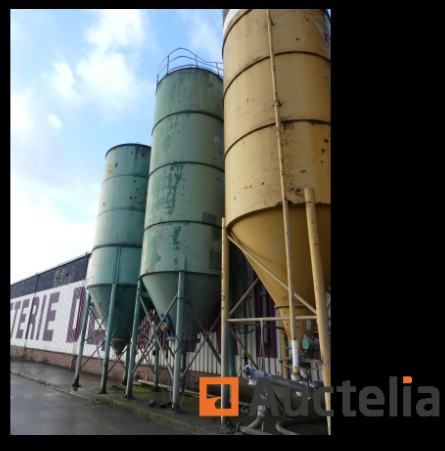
173, 62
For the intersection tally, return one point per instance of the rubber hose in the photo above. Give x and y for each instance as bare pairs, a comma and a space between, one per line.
281, 424
249, 431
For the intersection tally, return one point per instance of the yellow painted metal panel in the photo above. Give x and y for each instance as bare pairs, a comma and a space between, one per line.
253, 167
262, 234
304, 85
230, 20
295, 30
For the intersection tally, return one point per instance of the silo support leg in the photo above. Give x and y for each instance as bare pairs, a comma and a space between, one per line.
225, 308
232, 370
183, 367
177, 368
156, 372
134, 337
127, 363
82, 341
103, 382
320, 294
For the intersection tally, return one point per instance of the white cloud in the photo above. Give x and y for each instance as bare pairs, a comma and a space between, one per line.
118, 28
93, 209
204, 31
41, 236
54, 121
39, 161
41, 175
32, 136
94, 189
44, 176
21, 115
62, 80
109, 81
106, 75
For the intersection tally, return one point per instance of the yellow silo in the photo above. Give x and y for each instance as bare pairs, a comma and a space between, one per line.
300, 69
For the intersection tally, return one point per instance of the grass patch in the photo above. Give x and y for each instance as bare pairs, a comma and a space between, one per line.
123, 389
142, 389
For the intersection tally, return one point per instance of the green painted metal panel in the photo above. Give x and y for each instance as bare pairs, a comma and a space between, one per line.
185, 191
199, 243
194, 90
185, 200
182, 138
120, 225
202, 290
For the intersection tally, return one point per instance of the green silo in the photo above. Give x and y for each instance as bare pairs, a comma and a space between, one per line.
117, 247
185, 200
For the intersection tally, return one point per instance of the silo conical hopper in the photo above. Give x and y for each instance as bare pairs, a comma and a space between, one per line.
185, 201
117, 247
253, 194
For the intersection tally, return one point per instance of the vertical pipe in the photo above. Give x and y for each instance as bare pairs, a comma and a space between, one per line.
320, 294
232, 371
82, 341
134, 337
265, 313
183, 367
224, 317
290, 278
156, 375
103, 382
285, 370
177, 369
245, 304
127, 364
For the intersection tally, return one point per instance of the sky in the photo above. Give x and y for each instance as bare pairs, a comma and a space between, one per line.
82, 81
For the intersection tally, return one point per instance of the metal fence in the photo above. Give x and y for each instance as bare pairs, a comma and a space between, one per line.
179, 59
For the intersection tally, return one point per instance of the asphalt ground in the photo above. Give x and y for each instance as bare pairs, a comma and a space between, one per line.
145, 409
36, 409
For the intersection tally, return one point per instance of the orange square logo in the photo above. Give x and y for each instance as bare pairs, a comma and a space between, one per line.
207, 407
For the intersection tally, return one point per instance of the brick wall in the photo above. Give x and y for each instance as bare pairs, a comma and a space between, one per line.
61, 359
143, 372
94, 366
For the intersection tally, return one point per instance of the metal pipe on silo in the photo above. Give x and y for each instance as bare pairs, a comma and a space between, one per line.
156, 375
284, 201
320, 295
110, 332
179, 339
225, 310
136, 321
